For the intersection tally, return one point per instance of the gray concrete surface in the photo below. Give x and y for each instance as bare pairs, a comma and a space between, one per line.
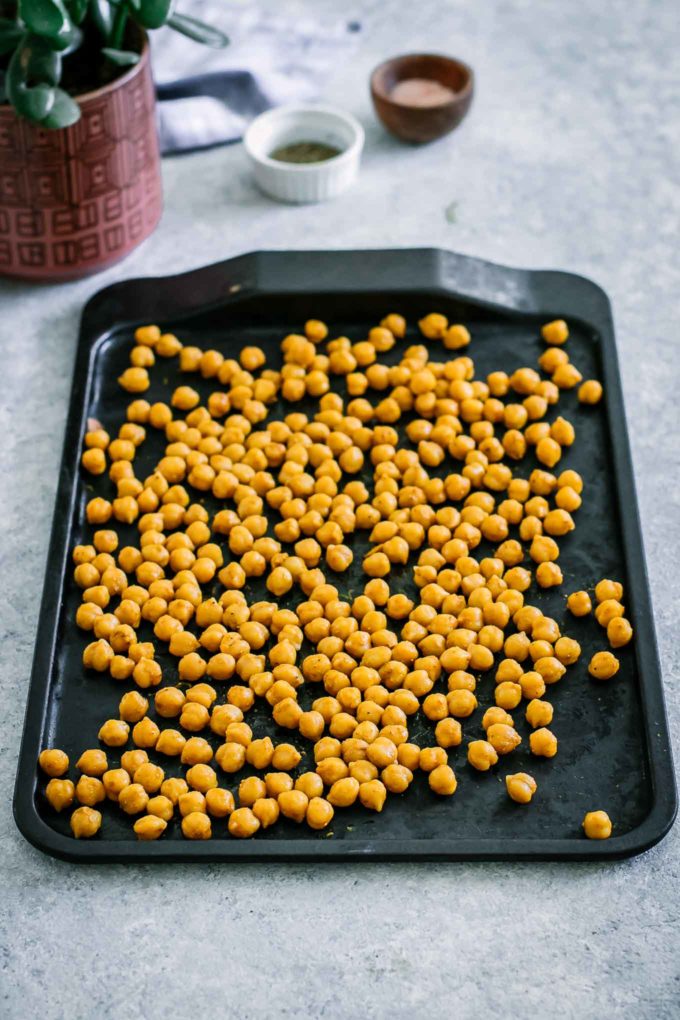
570, 158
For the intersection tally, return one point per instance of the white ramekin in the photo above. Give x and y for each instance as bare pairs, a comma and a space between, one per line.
304, 182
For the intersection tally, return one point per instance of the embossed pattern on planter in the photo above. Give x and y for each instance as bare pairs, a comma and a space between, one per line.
76, 200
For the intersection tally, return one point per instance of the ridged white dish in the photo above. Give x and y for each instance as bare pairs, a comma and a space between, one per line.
304, 182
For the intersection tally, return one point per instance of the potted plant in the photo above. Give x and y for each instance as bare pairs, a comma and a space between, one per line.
80, 183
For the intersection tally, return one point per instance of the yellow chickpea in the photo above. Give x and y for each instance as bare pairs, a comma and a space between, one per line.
597, 825
90, 791
372, 795
53, 762
219, 802
590, 392
543, 743
521, 787
619, 632
442, 780
135, 380
503, 738
579, 603
60, 793
114, 733
343, 792
133, 799
555, 332
149, 827
85, 822
197, 825
294, 804
481, 755
539, 713
397, 778
319, 813
603, 666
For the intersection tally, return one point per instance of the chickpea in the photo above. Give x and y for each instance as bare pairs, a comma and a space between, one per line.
521, 787
60, 793
603, 666
619, 632
114, 733
85, 821
343, 792
503, 738
481, 755
597, 825
543, 743
133, 799
90, 791
53, 762
294, 804
579, 603
590, 392
197, 825
448, 733
219, 802
539, 713
319, 813
149, 827
396, 778
93, 762
555, 332
442, 780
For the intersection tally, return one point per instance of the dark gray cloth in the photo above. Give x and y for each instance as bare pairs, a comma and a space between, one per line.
207, 97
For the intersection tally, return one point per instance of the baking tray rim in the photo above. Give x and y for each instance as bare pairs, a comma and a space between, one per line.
431, 270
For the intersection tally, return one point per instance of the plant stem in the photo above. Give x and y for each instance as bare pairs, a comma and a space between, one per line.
118, 28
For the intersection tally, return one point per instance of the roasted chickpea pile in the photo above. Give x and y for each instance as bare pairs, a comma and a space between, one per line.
414, 469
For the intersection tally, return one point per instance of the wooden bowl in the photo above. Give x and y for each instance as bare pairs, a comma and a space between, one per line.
418, 124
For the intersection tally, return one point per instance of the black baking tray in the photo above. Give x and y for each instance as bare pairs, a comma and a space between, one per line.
614, 746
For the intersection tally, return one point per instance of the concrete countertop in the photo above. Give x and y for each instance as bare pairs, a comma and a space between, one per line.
570, 159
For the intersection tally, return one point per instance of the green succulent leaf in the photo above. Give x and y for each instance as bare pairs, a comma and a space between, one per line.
36, 103
46, 17
64, 112
10, 35
154, 13
39, 62
77, 10
122, 58
198, 31
102, 15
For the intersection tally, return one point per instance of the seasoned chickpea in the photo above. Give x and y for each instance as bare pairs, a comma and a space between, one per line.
114, 733
343, 792
521, 787
543, 743
85, 821
503, 738
293, 804
372, 795
53, 762
603, 666
397, 778
555, 332
539, 713
590, 392
219, 802
619, 632
481, 755
597, 825
197, 825
579, 603
60, 793
442, 780
319, 813
90, 791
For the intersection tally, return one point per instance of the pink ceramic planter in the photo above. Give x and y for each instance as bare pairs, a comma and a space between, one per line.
74, 201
